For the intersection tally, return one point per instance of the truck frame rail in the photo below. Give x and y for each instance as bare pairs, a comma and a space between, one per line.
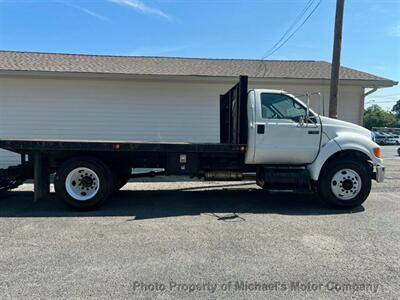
28, 145
45, 156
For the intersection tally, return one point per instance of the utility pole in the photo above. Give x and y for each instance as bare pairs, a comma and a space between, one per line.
337, 45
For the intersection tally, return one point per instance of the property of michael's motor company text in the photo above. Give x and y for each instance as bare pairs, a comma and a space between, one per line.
247, 286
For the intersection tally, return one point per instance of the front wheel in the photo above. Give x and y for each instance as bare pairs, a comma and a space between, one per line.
83, 183
344, 183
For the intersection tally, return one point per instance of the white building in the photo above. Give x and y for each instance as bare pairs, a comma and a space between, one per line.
58, 96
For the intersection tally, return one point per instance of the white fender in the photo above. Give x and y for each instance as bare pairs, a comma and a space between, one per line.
328, 148
343, 141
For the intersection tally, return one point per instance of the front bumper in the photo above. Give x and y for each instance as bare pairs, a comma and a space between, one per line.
379, 173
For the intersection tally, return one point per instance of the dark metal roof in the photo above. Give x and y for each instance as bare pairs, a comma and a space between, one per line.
139, 65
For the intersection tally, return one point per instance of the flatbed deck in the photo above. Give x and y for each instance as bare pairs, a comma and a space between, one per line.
28, 145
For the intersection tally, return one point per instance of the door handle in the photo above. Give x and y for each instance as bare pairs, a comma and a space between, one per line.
313, 132
260, 128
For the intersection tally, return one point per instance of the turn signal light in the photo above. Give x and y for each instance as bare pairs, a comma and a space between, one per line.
378, 152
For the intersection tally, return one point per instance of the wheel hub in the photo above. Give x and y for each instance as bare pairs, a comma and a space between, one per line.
82, 184
87, 182
346, 184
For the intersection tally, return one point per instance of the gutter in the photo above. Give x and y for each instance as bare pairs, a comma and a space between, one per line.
192, 77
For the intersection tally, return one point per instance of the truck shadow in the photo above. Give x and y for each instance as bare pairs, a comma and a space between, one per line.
224, 204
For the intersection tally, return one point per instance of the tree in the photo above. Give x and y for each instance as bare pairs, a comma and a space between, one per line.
375, 116
396, 108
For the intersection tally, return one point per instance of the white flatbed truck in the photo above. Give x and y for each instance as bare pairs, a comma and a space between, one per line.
267, 133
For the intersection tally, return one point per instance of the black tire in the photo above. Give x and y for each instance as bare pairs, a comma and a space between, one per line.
324, 184
398, 151
105, 184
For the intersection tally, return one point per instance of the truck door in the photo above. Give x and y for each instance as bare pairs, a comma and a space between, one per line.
282, 133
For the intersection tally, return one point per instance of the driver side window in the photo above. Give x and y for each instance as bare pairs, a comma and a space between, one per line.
279, 106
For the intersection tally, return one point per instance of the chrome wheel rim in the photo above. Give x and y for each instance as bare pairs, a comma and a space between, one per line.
82, 184
346, 184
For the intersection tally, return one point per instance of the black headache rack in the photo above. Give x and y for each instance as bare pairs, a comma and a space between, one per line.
233, 114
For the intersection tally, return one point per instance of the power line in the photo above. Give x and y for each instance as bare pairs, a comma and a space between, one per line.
379, 102
295, 31
298, 18
385, 96
272, 50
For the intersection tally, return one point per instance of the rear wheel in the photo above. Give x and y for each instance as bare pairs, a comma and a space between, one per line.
344, 183
83, 183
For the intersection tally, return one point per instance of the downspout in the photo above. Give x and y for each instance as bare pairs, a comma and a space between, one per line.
372, 90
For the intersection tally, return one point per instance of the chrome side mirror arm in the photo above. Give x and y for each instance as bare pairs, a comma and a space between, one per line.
301, 122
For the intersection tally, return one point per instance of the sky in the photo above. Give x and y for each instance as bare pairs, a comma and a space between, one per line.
211, 29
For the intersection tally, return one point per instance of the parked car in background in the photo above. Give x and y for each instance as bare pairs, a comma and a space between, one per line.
396, 138
390, 140
379, 138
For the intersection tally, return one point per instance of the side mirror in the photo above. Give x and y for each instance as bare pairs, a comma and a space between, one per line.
308, 108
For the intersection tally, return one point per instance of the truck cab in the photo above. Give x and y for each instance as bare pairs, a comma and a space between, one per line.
340, 157
279, 131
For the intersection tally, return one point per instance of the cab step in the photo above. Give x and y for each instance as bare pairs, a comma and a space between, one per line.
284, 178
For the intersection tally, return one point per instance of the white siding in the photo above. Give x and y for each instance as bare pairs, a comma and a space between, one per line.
350, 104
126, 109
119, 110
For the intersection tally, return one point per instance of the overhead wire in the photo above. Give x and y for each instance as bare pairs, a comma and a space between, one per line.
298, 18
282, 41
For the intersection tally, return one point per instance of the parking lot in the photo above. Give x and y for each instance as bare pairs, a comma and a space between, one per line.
202, 239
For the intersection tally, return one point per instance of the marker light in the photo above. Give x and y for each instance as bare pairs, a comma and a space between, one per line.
378, 152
